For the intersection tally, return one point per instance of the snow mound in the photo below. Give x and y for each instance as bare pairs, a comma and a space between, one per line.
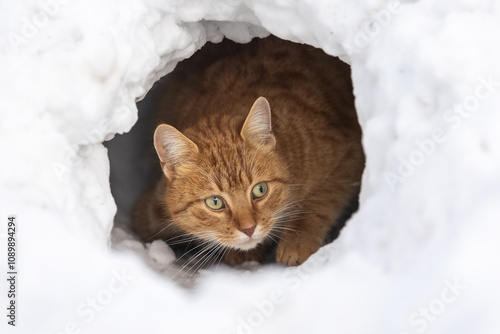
421, 253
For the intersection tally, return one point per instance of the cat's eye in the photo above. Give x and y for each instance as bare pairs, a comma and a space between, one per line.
259, 190
215, 203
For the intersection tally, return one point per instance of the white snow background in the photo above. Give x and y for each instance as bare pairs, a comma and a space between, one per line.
421, 254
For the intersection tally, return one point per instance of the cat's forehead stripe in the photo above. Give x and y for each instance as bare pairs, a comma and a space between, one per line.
227, 164
185, 207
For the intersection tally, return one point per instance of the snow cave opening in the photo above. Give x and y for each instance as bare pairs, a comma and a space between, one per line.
134, 167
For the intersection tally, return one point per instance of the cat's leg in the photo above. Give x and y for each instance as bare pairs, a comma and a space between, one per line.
235, 257
317, 214
149, 220
300, 239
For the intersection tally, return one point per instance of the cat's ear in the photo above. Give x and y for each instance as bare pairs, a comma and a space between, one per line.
173, 148
257, 129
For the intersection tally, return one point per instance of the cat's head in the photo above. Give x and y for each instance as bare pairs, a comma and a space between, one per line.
230, 185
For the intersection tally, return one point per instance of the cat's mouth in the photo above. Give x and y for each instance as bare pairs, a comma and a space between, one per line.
248, 244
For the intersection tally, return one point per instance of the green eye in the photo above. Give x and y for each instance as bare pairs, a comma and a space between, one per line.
259, 190
215, 203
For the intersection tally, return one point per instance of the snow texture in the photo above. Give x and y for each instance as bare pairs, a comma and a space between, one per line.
421, 255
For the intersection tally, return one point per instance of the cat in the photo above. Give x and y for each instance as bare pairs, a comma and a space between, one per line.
261, 146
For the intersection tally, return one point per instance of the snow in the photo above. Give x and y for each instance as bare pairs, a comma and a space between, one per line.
421, 255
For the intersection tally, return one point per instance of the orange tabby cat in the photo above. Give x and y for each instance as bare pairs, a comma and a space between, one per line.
262, 144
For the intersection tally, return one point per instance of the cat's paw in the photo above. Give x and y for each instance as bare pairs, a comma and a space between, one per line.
295, 252
236, 257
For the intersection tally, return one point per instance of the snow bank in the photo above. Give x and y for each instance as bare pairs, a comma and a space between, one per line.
421, 253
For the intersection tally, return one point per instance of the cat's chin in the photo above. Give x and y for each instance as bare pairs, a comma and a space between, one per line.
248, 244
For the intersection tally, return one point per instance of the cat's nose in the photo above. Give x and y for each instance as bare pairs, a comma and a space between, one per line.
246, 224
248, 231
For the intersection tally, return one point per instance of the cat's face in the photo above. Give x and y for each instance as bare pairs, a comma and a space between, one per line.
229, 204
223, 190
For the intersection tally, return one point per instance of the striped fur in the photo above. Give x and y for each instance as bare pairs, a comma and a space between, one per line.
312, 162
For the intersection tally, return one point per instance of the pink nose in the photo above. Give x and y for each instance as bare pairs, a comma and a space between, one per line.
248, 231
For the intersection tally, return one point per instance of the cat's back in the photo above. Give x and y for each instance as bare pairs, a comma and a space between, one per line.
223, 80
